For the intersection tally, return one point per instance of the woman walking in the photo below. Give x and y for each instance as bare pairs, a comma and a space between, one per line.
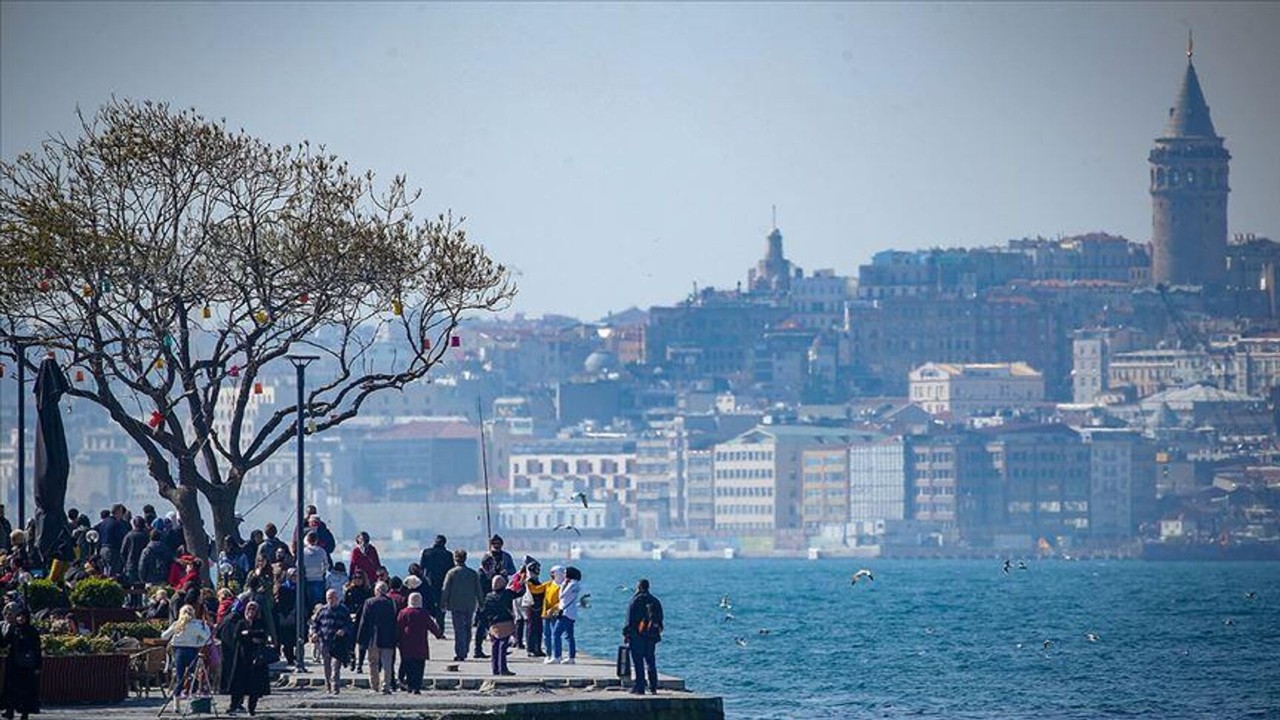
22, 667
413, 625
249, 674
499, 622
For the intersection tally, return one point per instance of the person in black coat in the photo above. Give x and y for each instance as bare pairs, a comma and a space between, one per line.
131, 550
642, 633
249, 663
22, 667
154, 561
435, 563
377, 633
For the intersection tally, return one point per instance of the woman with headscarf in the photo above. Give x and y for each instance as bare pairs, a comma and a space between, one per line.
249, 674
187, 635
567, 616
22, 667
364, 556
413, 625
286, 600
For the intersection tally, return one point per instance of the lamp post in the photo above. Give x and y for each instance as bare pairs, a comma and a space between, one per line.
20, 352
300, 609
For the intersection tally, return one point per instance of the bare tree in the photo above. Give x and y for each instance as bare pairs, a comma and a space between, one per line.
167, 262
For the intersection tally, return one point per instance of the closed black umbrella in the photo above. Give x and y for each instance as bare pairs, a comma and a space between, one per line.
53, 537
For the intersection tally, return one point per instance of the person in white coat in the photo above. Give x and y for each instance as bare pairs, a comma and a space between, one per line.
567, 615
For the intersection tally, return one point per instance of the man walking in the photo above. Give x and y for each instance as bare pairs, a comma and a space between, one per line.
461, 596
378, 633
435, 563
643, 632
331, 629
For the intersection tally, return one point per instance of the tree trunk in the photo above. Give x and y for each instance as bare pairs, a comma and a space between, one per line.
223, 504
186, 500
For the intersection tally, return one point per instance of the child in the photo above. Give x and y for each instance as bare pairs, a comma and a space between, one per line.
336, 579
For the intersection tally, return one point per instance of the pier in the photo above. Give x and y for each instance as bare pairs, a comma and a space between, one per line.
589, 690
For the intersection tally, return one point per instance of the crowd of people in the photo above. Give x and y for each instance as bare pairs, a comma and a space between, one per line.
241, 616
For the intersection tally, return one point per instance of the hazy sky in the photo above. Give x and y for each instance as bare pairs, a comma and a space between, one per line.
616, 154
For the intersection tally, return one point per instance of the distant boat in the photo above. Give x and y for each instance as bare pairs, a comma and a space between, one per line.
657, 553
730, 553
815, 553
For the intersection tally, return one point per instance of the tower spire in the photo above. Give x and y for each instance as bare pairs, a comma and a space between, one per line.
1191, 45
775, 216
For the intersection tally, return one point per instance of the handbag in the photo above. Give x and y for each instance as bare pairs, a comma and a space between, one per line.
623, 666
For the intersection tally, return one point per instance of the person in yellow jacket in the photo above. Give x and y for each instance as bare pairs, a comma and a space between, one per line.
550, 615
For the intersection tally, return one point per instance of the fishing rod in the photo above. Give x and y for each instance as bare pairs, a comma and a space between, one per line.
266, 497
484, 464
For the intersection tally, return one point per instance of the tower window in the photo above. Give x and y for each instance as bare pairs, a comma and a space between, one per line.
1160, 177
1174, 178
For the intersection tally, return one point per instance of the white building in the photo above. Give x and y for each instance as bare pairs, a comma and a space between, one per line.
546, 471
877, 484
962, 390
759, 476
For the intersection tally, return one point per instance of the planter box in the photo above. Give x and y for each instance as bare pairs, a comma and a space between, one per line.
82, 679
93, 618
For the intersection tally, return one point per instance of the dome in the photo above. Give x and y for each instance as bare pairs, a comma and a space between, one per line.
600, 361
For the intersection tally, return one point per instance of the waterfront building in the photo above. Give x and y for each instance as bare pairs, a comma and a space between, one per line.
1044, 475
877, 484
1122, 482
825, 487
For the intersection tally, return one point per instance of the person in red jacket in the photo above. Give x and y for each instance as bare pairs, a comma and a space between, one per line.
364, 556
413, 624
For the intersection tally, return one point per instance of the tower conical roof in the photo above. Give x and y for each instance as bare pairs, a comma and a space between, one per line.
1189, 116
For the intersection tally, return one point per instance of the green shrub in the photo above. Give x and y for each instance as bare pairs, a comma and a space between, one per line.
137, 630
54, 645
45, 594
97, 593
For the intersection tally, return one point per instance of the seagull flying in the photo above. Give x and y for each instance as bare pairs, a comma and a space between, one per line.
763, 631
624, 588
1251, 595
1022, 565
863, 573
585, 601
1092, 637
1228, 622
740, 641
1048, 644
1007, 566
729, 617
724, 603
580, 497
566, 527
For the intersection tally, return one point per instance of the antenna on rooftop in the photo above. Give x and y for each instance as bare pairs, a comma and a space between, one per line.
1191, 45
775, 216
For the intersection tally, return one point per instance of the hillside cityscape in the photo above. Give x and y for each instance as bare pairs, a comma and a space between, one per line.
1080, 396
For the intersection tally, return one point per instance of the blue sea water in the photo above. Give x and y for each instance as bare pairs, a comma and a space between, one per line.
959, 639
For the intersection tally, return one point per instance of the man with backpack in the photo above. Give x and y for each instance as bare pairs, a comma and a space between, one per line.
643, 632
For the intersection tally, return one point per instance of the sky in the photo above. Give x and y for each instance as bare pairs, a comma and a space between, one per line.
615, 155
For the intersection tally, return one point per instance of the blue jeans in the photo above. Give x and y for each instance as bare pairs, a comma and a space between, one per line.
564, 627
548, 632
315, 595
184, 658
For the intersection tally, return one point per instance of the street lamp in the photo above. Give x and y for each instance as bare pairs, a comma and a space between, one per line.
20, 352
300, 609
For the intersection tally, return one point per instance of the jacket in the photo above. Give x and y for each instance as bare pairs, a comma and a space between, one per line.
412, 627
462, 591
568, 603
436, 562
131, 551
378, 623
329, 620
497, 607
196, 634
550, 598
315, 563
154, 562
366, 560
644, 618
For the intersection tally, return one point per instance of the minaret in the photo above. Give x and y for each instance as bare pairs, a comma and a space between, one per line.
1189, 192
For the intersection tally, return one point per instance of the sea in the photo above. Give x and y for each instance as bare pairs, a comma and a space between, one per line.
957, 638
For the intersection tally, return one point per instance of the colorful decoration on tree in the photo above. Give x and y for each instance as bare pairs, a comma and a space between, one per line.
168, 341
397, 307
455, 341
79, 376
234, 371
261, 317
304, 298
257, 388
159, 363
87, 290
426, 344
206, 312
156, 418
44, 285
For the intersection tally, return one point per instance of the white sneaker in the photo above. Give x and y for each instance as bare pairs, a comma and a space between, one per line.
550, 661
567, 661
